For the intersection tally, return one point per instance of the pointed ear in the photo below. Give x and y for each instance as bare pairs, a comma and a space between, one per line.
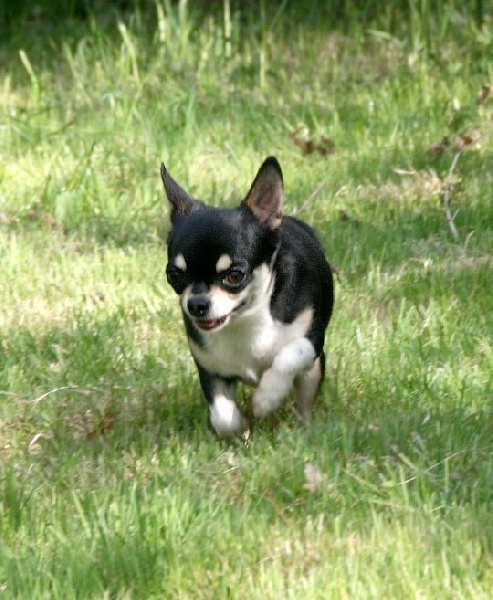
266, 196
181, 203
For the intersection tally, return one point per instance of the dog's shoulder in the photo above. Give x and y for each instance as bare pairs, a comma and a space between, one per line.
303, 277
301, 239
295, 225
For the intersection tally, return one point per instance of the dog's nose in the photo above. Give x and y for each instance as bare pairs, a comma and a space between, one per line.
198, 306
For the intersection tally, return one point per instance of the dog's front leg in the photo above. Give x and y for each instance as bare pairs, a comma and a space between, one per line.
225, 416
277, 381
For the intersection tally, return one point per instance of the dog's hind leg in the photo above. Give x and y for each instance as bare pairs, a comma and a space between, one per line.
306, 386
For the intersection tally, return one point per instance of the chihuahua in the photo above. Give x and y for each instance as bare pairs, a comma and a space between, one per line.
256, 293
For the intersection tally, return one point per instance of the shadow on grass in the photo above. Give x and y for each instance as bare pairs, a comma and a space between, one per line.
92, 393
77, 387
114, 452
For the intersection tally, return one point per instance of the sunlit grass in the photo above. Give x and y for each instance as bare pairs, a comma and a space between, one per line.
111, 484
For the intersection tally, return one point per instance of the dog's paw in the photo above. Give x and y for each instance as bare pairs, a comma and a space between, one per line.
266, 401
274, 387
226, 418
276, 382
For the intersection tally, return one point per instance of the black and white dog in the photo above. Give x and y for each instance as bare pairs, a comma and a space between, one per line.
256, 295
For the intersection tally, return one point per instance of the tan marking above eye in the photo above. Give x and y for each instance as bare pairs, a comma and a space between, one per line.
180, 262
217, 290
223, 263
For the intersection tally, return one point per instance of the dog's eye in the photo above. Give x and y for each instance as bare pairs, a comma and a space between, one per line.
177, 279
234, 278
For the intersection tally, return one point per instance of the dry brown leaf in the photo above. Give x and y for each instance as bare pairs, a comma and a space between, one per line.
465, 140
106, 423
308, 145
484, 93
438, 147
343, 216
96, 298
326, 145
335, 269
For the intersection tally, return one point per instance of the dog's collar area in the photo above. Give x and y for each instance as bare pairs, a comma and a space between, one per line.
239, 306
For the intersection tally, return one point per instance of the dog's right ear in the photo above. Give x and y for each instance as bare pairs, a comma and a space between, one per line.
181, 203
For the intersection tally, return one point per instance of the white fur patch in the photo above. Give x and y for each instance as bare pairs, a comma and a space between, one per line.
180, 262
226, 417
295, 357
223, 263
251, 340
255, 347
276, 382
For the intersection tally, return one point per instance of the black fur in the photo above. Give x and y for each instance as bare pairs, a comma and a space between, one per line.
229, 264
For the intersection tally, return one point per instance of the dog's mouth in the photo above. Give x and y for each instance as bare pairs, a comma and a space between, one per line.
209, 324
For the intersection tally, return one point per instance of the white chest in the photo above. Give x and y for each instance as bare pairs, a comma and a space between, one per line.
246, 347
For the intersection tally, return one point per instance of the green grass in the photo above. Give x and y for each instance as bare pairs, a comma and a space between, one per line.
111, 483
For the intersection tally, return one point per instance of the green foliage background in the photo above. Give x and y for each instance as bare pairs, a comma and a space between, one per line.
111, 484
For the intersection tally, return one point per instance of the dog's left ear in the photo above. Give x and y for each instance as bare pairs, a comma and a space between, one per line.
266, 196
181, 203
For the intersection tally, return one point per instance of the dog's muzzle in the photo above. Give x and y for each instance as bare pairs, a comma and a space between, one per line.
198, 308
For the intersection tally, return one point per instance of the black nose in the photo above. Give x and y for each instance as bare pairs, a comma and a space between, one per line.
198, 306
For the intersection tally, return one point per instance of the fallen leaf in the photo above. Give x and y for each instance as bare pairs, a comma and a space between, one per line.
308, 145
326, 145
484, 93
438, 147
335, 269
106, 423
465, 140
343, 216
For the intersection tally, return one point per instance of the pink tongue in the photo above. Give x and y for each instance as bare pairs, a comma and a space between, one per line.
207, 324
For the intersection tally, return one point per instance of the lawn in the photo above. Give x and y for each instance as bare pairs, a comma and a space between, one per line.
112, 485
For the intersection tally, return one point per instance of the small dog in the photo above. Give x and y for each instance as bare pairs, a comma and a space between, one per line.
256, 293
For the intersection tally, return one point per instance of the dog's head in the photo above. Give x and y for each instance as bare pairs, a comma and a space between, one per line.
220, 259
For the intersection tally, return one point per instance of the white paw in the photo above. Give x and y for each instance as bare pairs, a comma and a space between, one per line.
270, 394
226, 417
276, 382
261, 407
